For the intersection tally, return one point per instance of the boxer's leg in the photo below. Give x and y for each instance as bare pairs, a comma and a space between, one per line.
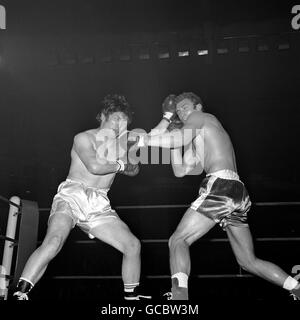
58, 230
192, 226
116, 233
242, 245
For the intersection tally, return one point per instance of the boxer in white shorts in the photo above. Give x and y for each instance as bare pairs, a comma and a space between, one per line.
88, 207
82, 200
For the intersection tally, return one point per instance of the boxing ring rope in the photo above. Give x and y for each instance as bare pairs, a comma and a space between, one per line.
171, 206
202, 240
215, 240
10, 242
15, 208
199, 276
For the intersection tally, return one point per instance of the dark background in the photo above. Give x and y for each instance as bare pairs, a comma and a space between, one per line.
49, 92
58, 59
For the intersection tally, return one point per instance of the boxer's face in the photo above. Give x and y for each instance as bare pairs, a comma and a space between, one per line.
184, 108
116, 121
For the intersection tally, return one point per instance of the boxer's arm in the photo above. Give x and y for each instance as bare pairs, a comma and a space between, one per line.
160, 128
183, 165
178, 138
84, 149
169, 113
177, 163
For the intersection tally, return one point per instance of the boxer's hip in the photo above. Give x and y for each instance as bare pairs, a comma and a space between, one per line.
82, 198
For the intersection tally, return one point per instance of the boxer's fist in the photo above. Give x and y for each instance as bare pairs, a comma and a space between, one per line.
128, 162
175, 124
129, 169
169, 107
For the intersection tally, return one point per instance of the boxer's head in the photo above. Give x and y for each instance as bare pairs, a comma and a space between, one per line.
186, 103
115, 113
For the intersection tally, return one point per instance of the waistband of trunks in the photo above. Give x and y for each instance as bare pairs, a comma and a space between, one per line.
225, 174
87, 186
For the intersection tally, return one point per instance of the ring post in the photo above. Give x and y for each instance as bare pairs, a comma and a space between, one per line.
9, 246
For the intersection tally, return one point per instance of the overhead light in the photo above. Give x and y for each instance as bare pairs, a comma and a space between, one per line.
164, 55
185, 53
222, 50
202, 47
223, 47
283, 42
262, 45
202, 52
125, 54
144, 53
2, 17
243, 46
283, 46
163, 52
184, 48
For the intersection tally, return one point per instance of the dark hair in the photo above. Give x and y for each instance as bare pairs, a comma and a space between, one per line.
191, 96
115, 103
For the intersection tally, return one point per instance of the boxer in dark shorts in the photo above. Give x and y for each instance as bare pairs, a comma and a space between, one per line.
223, 198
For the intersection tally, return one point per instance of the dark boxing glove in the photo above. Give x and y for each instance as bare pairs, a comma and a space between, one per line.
128, 169
126, 165
169, 108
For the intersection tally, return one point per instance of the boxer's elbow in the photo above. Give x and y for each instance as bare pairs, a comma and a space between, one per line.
179, 172
182, 171
93, 168
101, 169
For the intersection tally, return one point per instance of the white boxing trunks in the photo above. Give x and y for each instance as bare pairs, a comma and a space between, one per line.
87, 206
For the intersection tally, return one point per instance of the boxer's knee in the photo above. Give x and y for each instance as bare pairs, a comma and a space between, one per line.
177, 239
248, 262
132, 247
171, 242
52, 244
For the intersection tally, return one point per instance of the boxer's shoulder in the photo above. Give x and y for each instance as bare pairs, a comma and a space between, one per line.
84, 137
210, 119
196, 119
